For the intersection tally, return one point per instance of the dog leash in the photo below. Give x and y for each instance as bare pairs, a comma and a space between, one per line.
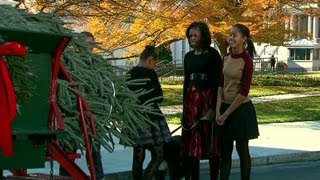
176, 129
188, 129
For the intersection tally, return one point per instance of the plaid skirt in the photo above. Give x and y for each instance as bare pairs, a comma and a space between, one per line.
241, 124
200, 141
154, 134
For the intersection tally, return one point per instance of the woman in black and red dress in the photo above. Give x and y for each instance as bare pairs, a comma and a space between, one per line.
202, 69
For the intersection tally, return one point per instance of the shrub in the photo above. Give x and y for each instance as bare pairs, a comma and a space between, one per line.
289, 80
281, 66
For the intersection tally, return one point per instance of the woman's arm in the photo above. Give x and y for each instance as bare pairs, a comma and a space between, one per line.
235, 104
218, 105
186, 79
157, 90
215, 70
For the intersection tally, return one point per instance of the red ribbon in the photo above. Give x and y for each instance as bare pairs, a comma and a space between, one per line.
8, 104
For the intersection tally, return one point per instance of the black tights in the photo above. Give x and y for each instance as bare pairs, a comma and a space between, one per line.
193, 168
242, 147
214, 164
152, 168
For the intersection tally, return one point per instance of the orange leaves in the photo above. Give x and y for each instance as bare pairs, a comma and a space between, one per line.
131, 24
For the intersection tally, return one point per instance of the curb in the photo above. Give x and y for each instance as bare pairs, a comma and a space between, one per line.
274, 159
255, 161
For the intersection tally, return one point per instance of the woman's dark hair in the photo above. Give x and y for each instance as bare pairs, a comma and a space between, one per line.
87, 34
244, 30
205, 33
148, 51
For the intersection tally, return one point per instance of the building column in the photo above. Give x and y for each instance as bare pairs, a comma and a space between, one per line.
315, 28
183, 49
299, 24
292, 22
310, 24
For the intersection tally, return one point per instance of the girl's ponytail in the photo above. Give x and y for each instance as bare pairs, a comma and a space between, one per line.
250, 48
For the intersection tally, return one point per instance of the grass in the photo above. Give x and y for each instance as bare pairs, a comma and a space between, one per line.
316, 75
292, 110
173, 93
173, 118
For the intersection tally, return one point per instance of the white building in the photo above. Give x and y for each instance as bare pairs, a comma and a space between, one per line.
8, 2
302, 53
179, 49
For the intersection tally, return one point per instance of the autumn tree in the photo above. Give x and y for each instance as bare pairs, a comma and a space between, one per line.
131, 24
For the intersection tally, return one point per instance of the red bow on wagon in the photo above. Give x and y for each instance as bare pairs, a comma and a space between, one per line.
8, 109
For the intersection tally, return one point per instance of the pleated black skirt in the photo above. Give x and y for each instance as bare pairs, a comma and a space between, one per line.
241, 124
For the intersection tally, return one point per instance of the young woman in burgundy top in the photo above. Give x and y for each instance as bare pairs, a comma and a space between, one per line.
235, 111
202, 69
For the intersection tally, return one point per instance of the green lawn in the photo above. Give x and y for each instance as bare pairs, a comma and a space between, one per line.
299, 109
173, 93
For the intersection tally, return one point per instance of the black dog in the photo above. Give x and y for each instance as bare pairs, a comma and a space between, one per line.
174, 161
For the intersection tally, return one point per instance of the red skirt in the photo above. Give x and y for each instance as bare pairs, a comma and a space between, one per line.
199, 137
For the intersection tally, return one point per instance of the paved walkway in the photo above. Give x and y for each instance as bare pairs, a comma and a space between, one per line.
278, 143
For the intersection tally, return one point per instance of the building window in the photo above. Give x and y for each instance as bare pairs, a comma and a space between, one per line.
300, 54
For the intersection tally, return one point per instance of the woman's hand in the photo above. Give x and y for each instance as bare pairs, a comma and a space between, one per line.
221, 119
209, 115
217, 114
